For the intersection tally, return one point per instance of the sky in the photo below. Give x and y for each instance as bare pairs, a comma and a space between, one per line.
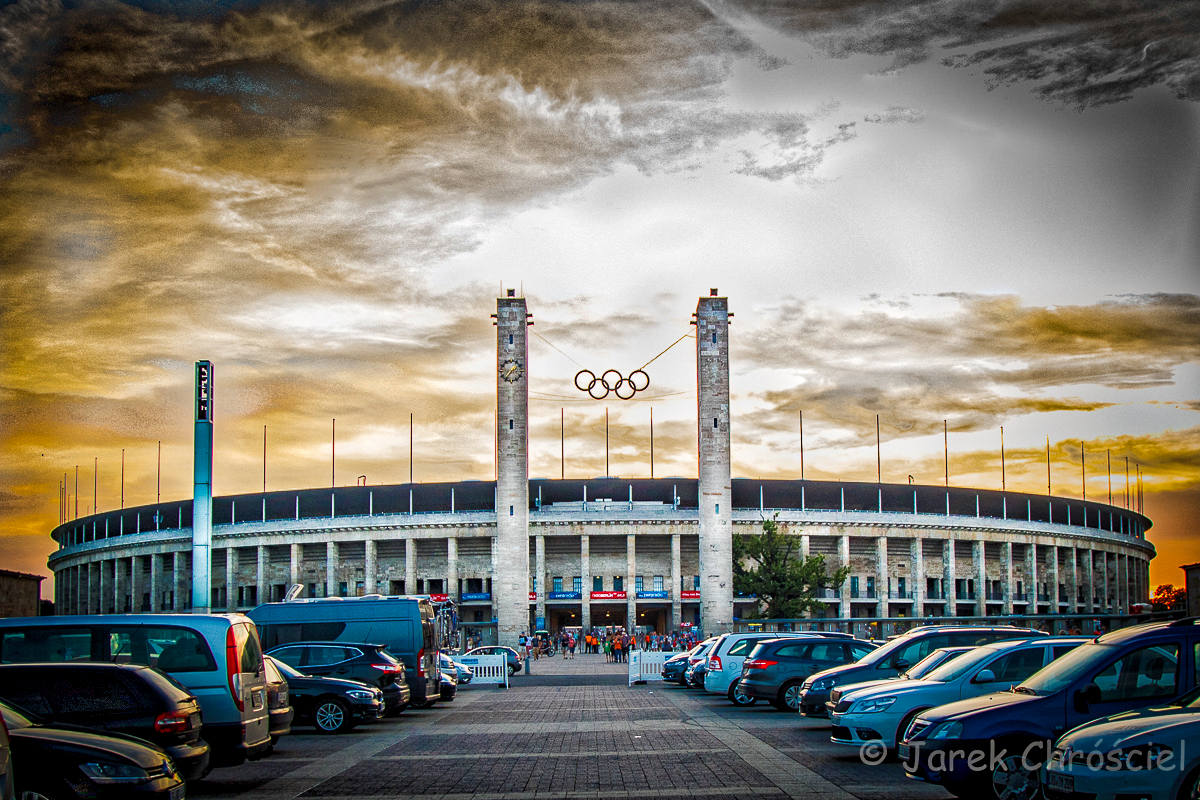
961, 213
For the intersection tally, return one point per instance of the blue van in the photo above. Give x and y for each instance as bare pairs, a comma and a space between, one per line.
407, 625
216, 657
994, 746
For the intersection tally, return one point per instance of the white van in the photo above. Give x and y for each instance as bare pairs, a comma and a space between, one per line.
217, 657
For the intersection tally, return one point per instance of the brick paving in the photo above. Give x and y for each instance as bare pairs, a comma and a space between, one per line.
588, 739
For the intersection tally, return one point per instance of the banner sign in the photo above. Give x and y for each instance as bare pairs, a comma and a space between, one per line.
438, 598
204, 391
533, 597
468, 596
652, 595
608, 595
564, 595
689, 595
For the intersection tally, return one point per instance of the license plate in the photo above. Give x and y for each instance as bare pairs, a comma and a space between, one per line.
1060, 782
178, 792
904, 752
256, 700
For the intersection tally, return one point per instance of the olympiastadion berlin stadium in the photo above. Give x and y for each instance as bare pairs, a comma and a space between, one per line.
516, 554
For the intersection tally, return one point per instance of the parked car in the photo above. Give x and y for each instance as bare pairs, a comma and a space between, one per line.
918, 670
730, 650
673, 667
7, 792
57, 762
694, 656
216, 657
898, 655
449, 687
882, 712
775, 669
1153, 753
694, 677
332, 705
355, 661
115, 698
278, 704
461, 672
514, 659
406, 625
1125, 670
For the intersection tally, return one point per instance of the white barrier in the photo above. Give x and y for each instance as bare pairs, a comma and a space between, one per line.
487, 669
646, 665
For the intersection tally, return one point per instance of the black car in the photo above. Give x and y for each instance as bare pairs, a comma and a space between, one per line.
332, 705
118, 698
53, 761
278, 702
449, 687
6, 771
776, 668
365, 663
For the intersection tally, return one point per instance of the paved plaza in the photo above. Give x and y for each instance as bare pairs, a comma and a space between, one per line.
571, 729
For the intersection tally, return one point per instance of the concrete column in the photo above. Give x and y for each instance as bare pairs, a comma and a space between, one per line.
371, 566
715, 484
540, 558
77, 603
331, 570
979, 556
119, 585
1073, 580
950, 568
918, 575
136, 587
844, 555
231, 565
881, 576
1089, 581
510, 572
260, 579
630, 582
451, 567
156, 583
676, 583
103, 586
1105, 588
1123, 583
410, 568
294, 558
1009, 588
585, 594
1053, 576
180, 573
1031, 560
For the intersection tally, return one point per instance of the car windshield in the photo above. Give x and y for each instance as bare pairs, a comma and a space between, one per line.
14, 719
287, 670
930, 663
953, 670
1189, 700
1059, 674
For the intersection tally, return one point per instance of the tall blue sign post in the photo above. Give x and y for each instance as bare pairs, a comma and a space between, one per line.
202, 492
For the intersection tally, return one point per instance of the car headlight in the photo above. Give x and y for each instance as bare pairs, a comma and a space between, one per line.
947, 730
360, 694
822, 685
104, 772
1136, 757
872, 705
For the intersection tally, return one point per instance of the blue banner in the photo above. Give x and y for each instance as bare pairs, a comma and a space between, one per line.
652, 595
467, 596
563, 596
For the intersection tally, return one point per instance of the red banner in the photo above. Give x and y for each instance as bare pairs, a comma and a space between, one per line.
439, 598
694, 595
533, 597
608, 595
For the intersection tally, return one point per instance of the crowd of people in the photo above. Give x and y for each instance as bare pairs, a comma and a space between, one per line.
614, 643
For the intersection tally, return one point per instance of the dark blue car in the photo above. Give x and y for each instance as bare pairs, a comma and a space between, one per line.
993, 746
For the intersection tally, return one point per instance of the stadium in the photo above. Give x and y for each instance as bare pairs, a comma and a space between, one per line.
516, 554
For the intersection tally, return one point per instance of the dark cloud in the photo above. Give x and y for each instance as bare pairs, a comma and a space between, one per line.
1077, 52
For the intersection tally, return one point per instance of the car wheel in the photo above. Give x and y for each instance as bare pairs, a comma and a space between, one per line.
789, 697
904, 723
739, 697
1190, 790
332, 716
1011, 780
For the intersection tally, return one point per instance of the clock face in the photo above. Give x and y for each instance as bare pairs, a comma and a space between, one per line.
510, 370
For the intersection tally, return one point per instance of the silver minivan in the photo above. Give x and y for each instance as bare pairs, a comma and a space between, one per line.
217, 657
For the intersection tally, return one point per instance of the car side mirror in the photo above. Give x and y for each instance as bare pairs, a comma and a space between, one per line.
1086, 696
901, 663
984, 676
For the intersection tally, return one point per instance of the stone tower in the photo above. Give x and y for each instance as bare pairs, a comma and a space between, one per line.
510, 569
715, 495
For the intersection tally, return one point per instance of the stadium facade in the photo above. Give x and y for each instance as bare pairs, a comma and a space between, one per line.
516, 554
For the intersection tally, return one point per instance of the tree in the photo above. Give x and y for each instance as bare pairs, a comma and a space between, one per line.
1168, 597
786, 583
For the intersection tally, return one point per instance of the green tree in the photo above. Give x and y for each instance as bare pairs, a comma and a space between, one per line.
771, 566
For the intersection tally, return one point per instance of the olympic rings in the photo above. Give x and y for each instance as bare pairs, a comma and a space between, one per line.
624, 388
